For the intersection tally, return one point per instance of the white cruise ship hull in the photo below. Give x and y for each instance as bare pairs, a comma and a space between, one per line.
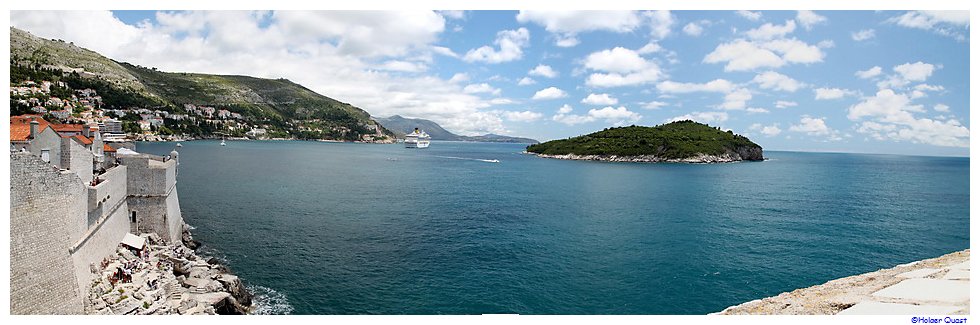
417, 144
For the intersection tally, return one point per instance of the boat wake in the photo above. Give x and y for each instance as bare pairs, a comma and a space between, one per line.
474, 159
269, 302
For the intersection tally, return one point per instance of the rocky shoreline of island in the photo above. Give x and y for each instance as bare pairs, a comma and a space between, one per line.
698, 159
165, 279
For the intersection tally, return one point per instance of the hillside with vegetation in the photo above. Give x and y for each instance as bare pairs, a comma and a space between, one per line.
681, 141
283, 108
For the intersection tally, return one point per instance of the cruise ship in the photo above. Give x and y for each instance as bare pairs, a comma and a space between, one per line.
417, 139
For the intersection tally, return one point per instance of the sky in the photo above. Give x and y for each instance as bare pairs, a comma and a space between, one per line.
841, 81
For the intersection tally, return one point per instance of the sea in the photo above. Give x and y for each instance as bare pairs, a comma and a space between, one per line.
481, 228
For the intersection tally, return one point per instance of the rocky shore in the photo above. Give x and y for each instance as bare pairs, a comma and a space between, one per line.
931, 286
699, 159
165, 279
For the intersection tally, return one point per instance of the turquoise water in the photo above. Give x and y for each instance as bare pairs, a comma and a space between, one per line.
340, 228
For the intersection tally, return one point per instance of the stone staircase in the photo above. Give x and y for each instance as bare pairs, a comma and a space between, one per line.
173, 292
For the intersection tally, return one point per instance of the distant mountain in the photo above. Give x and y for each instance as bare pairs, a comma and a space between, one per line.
289, 107
490, 137
401, 125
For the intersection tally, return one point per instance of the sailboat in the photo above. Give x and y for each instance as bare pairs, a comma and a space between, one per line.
222, 142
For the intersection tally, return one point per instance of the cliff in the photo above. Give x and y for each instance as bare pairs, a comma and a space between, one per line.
682, 141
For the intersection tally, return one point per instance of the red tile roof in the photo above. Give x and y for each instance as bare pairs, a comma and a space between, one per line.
107, 148
82, 139
20, 126
67, 127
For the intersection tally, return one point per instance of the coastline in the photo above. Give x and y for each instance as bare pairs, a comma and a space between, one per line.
699, 159
166, 279
864, 291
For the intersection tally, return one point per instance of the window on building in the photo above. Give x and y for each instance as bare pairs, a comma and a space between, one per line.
132, 218
46, 155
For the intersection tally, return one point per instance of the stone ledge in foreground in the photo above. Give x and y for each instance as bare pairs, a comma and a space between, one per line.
865, 292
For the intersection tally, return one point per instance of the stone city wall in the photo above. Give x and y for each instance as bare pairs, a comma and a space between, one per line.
43, 201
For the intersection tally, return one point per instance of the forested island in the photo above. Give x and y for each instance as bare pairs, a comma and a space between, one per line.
681, 141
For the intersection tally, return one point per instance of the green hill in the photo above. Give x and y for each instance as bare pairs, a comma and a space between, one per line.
289, 109
678, 141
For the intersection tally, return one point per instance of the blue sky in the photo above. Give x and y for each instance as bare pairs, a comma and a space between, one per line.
848, 81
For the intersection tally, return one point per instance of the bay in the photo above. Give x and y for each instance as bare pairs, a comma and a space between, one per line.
343, 228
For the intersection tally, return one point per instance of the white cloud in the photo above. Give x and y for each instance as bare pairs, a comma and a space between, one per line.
941, 108
600, 99
581, 21
777, 81
653, 105
927, 87
907, 73
812, 126
564, 109
736, 99
525, 116
606, 80
915, 71
571, 119
831, 93
510, 42
567, 41
717, 85
795, 51
893, 118
742, 55
543, 71
769, 31
703, 117
947, 23
566, 24
785, 104
863, 35
402, 66
660, 22
453, 14
886, 104
620, 67
826, 44
480, 88
809, 18
618, 59
768, 130
693, 29
526, 81
459, 77
870, 73
750, 15
445, 51
360, 33
756, 110
651, 47
549, 93
616, 116
501, 101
